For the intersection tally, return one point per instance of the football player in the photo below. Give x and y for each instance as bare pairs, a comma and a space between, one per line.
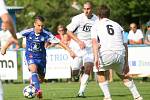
7, 20
80, 31
35, 51
113, 53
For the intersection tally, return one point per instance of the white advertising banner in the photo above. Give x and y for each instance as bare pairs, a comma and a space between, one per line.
139, 60
58, 64
8, 66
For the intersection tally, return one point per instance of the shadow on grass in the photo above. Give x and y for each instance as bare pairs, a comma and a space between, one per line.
100, 96
74, 97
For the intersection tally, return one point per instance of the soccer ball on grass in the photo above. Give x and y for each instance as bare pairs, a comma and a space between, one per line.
29, 92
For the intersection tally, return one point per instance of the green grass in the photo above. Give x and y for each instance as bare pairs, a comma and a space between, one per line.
68, 91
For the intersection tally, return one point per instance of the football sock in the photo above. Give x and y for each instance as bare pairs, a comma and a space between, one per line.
105, 89
35, 80
1, 91
84, 81
132, 88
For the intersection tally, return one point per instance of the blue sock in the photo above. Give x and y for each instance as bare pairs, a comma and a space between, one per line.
35, 80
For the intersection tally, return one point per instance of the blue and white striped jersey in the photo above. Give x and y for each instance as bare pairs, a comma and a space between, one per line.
35, 43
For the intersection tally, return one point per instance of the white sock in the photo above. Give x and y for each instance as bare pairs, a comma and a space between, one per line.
84, 81
1, 90
132, 88
105, 89
1, 96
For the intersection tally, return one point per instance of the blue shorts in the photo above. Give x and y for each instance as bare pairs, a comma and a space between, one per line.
40, 63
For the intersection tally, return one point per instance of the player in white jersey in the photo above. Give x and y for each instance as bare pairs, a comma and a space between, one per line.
80, 31
112, 54
7, 20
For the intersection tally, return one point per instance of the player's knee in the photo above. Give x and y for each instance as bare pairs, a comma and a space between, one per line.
33, 68
128, 83
88, 70
101, 76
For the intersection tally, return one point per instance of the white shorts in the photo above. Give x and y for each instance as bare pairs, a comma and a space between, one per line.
83, 55
76, 63
112, 60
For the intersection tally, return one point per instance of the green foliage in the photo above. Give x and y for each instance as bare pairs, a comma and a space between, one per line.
60, 11
55, 12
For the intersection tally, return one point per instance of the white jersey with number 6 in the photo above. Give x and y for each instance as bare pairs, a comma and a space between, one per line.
112, 50
110, 34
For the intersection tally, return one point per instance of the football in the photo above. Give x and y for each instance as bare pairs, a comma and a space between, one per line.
29, 92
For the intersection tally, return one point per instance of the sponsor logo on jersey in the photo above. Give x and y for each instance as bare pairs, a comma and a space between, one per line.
87, 27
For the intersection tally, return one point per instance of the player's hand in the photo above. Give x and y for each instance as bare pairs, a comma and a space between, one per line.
72, 54
81, 44
3, 51
17, 47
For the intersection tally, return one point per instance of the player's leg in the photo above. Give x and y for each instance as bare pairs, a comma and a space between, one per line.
34, 76
75, 75
75, 67
88, 67
84, 78
107, 58
33, 66
41, 70
129, 83
1, 90
127, 80
109, 75
103, 84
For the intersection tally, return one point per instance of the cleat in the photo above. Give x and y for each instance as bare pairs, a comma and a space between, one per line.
80, 95
138, 98
39, 93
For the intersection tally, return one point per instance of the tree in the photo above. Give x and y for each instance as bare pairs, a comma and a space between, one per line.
60, 11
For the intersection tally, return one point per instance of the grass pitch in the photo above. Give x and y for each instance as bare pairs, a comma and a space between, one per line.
68, 91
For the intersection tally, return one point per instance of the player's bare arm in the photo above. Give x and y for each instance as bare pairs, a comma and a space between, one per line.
72, 54
95, 52
126, 66
9, 22
81, 43
11, 41
6, 18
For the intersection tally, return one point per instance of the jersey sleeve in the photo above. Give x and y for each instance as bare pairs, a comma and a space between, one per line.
19, 35
52, 38
74, 24
3, 9
24, 33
